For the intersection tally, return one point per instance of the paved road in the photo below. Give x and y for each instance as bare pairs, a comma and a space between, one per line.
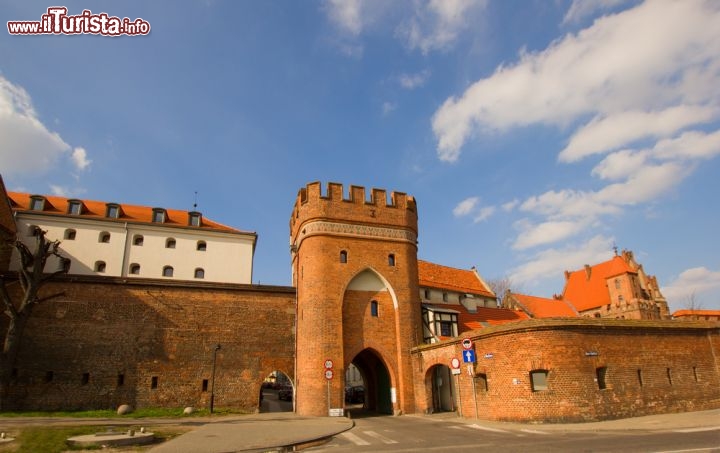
406, 434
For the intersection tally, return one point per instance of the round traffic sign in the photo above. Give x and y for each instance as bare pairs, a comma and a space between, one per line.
328, 374
466, 343
455, 363
328, 364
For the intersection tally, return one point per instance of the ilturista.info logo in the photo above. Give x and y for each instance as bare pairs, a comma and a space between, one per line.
57, 22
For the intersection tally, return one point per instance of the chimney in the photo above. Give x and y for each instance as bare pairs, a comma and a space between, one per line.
567, 275
588, 271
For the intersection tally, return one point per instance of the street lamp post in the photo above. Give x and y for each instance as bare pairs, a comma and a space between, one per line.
212, 383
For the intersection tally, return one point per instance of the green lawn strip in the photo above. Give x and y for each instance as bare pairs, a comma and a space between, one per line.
139, 413
53, 439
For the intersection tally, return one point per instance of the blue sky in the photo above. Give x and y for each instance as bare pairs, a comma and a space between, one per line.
535, 135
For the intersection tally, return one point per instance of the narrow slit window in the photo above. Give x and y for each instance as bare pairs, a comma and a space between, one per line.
154, 382
204, 385
695, 374
85, 380
120, 380
374, 309
600, 374
343, 257
640, 377
669, 375
391, 260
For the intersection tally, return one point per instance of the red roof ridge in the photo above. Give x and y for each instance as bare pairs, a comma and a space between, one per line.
445, 277
58, 205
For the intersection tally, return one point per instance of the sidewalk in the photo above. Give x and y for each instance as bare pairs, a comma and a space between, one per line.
255, 432
700, 420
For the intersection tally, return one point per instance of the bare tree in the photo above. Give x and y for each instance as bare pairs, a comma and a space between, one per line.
31, 277
691, 302
500, 286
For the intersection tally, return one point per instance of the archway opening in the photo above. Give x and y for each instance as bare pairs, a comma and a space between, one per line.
276, 393
375, 388
439, 380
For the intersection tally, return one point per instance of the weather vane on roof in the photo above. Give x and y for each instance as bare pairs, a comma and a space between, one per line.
195, 203
614, 247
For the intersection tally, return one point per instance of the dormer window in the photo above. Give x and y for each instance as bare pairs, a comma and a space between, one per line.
112, 211
75, 207
158, 215
194, 219
37, 203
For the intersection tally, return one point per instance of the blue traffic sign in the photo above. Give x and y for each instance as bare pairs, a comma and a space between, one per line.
468, 356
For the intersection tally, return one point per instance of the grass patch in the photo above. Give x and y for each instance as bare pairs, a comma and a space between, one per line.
53, 439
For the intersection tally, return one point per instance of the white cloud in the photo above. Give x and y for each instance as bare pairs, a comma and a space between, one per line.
627, 62
580, 9
553, 262
691, 282
485, 213
510, 205
621, 164
388, 107
547, 233
465, 207
26, 144
412, 81
610, 132
346, 15
79, 157
438, 23
690, 145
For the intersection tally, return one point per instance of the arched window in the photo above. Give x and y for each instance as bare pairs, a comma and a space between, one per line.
201, 246
104, 237
70, 234
391, 259
135, 269
138, 239
100, 266
168, 271
343, 256
374, 309
170, 243
199, 273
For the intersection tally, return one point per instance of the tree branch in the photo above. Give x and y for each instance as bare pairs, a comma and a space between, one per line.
53, 296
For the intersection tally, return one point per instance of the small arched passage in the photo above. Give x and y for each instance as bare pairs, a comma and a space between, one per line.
439, 382
376, 380
277, 393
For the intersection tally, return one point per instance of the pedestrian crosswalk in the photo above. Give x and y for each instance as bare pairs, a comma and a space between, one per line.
364, 438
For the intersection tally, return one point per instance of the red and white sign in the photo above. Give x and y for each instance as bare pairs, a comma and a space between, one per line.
466, 343
455, 363
328, 364
328, 374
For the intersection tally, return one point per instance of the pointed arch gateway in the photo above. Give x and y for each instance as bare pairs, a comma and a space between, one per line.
369, 338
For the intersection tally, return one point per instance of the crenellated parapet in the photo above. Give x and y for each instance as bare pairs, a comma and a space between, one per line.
359, 213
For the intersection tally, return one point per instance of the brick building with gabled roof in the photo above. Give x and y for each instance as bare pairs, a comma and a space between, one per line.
617, 288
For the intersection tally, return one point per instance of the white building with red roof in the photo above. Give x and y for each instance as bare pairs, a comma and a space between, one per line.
129, 241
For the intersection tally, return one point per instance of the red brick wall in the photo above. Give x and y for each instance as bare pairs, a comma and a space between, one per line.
105, 327
560, 346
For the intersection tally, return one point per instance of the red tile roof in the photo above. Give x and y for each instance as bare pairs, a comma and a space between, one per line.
433, 275
587, 292
682, 313
541, 307
128, 213
484, 317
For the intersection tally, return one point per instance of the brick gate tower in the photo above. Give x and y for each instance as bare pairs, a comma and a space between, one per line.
354, 264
